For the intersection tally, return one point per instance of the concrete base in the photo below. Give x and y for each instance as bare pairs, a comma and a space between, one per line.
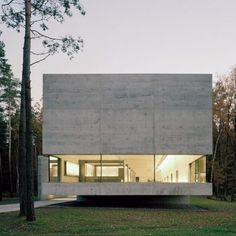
126, 189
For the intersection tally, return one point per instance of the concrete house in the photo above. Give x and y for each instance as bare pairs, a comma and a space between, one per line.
126, 135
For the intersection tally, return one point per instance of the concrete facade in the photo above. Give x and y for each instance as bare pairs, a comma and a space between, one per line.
43, 175
127, 114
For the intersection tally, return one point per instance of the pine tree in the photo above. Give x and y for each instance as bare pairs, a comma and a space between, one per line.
33, 17
9, 87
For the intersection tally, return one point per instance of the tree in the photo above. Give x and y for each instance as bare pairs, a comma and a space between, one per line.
15, 146
37, 120
9, 97
9, 87
223, 160
3, 130
33, 17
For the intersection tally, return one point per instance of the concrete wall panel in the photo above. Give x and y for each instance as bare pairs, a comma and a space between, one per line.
183, 114
71, 123
127, 131
127, 114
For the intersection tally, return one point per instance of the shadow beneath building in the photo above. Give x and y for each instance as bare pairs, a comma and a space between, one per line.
151, 202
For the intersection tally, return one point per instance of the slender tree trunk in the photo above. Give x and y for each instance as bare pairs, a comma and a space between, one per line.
25, 131
22, 152
30, 214
226, 156
0, 176
9, 150
234, 161
214, 154
17, 170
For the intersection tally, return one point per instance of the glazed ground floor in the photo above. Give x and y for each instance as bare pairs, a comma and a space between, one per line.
127, 168
123, 175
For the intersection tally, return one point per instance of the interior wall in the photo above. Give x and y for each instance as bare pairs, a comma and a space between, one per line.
142, 168
174, 163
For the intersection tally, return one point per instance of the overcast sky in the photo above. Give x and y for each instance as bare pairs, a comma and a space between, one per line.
140, 36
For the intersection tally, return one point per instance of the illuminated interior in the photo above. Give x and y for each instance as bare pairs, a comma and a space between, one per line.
128, 168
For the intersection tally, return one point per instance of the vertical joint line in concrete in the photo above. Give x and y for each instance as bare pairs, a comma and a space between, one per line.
101, 167
124, 171
49, 180
100, 124
154, 169
100, 114
153, 113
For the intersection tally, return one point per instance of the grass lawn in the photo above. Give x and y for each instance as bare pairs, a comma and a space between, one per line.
218, 219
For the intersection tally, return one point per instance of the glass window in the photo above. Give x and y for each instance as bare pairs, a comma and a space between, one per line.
90, 170
127, 168
54, 169
71, 169
198, 170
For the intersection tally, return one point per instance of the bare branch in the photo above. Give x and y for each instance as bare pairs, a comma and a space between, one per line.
36, 21
38, 54
42, 59
43, 18
35, 32
36, 37
7, 4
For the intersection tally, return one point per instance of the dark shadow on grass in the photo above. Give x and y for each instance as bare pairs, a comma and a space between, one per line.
127, 202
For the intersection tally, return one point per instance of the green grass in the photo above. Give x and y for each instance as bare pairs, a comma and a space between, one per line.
218, 219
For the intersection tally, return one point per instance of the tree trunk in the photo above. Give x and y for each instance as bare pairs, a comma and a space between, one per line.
234, 161
214, 155
30, 214
25, 132
9, 150
22, 151
0, 176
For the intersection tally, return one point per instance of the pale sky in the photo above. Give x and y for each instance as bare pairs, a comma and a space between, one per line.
140, 36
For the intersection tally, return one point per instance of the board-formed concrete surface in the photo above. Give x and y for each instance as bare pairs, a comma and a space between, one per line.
128, 189
127, 114
43, 172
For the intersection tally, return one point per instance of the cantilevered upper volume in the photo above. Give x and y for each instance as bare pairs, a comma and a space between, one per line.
126, 134
127, 114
